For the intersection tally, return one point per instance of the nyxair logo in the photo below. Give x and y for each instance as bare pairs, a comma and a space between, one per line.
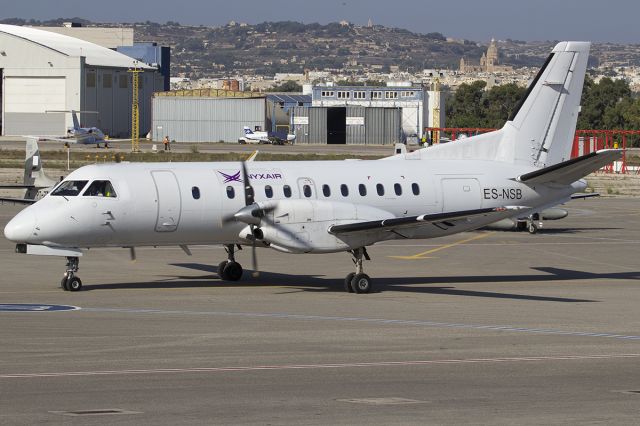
235, 176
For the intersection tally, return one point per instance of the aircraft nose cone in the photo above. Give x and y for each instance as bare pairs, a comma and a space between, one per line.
20, 228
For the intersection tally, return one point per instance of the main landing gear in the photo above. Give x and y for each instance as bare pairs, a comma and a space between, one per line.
358, 281
230, 270
70, 282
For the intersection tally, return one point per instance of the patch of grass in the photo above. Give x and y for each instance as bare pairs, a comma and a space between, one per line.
58, 159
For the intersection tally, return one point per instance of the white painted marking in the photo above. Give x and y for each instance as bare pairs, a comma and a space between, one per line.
393, 322
316, 366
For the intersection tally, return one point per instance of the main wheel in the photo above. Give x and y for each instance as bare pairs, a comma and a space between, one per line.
221, 266
74, 284
532, 228
63, 283
347, 282
233, 271
361, 283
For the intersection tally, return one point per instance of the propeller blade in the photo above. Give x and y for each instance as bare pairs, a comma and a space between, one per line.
132, 253
249, 194
254, 257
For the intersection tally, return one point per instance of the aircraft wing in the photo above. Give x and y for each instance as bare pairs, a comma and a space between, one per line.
447, 219
571, 170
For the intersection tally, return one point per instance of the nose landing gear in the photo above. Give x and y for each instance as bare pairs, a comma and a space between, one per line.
70, 282
230, 270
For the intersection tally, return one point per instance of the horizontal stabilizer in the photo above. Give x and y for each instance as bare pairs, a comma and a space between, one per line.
572, 170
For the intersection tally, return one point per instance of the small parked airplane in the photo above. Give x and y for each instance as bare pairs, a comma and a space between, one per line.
78, 134
276, 138
326, 206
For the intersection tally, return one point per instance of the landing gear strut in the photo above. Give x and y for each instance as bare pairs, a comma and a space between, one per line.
358, 281
534, 223
230, 270
70, 282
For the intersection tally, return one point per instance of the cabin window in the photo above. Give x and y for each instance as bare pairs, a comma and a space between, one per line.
415, 188
362, 189
380, 189
70, 188
306, 189
397, 188
195, 192
326, 190
231, 193
287, 191
268, 191
344, 189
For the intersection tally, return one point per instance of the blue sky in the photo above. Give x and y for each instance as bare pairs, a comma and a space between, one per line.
480, 20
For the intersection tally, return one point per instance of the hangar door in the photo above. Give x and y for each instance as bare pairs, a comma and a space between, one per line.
25, 101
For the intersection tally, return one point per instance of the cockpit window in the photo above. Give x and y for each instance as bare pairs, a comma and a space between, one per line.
100, 188
70, 188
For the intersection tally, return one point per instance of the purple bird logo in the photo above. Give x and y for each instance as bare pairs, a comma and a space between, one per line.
231, 178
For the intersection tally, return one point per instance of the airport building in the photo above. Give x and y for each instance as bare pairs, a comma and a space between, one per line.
367, 115
219, 115
42, 71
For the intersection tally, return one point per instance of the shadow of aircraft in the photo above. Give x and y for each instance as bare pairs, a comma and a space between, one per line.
317, 283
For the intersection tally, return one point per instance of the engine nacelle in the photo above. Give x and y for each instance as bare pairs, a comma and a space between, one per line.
553, 214
301, 226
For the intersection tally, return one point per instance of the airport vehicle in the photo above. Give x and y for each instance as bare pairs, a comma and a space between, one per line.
320, 207
36, 184
276, 138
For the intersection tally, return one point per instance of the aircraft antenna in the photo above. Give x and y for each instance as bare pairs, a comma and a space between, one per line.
135, 111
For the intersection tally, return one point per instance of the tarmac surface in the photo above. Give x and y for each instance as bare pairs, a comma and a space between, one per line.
478, 328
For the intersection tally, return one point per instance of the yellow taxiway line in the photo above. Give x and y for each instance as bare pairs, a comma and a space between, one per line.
424, 254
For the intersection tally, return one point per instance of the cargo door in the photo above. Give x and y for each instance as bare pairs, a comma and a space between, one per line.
168, 200
460, 194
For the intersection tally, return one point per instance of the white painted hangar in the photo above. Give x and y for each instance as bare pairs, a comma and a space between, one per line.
43, 71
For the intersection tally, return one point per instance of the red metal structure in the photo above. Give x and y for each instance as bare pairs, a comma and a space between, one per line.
584, 142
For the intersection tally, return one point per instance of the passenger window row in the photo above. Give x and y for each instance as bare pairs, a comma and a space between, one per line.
326, 190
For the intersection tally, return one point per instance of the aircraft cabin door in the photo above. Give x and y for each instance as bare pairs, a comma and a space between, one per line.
460, 194
168, 199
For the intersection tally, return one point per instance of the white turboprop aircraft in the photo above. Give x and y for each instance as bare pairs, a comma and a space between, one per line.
326, 206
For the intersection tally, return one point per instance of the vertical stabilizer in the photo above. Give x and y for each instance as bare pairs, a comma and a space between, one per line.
541, 129
34, 175
76, 123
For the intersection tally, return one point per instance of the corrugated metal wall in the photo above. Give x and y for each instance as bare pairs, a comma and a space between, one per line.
314, 128
375, 126
191, 119
356, 125
383, 126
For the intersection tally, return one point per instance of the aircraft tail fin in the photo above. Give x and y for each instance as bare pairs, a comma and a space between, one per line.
542, 127
76, 122
247, 130
540, 131
34, 175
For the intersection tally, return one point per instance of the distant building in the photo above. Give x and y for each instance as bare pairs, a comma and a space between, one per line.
366, 115
488, 62
110, 38
43, 72
153, 55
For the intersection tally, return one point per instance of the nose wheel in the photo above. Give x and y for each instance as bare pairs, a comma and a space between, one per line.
70, 282
358, 281
230, 270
